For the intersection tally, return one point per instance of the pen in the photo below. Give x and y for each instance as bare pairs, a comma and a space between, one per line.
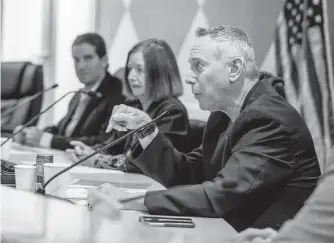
131, 197
174, 224
166, 220
105, 198
152, 217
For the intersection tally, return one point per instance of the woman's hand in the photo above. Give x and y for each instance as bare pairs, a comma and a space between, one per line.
80, 151
19, 138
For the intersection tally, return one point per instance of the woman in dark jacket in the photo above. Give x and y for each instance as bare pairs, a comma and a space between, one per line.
152, 83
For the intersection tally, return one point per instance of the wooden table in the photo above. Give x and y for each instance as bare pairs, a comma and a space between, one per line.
27, 217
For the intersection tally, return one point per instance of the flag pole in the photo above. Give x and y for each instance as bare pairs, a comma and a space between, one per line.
321, 141
329, 60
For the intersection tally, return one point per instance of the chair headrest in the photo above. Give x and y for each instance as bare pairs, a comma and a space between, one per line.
18, 79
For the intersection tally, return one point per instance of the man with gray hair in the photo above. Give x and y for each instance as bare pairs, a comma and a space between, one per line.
256, 170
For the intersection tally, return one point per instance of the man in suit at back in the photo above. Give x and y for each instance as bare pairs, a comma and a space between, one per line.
86, 115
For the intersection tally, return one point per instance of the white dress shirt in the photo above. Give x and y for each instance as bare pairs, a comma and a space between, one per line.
79, 110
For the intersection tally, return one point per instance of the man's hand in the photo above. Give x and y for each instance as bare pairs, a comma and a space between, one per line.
32, 136
80, 151
108, 199
125, 117
19, 138
255, 236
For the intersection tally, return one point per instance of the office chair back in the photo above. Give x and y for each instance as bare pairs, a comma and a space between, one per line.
20, 80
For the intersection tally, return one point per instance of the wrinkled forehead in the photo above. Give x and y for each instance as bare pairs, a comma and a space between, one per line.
203, 48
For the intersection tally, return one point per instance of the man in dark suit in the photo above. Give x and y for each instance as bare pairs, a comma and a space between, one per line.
257, 170
86, 115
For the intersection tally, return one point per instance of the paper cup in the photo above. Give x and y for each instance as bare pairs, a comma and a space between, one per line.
25, 177
5, 149
58, 187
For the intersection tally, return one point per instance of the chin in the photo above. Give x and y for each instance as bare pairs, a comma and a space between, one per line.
87, 81
137, 94
207, 107
203, 107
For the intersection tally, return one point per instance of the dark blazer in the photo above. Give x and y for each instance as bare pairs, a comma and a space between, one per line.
256, 171
174, 126
89, 129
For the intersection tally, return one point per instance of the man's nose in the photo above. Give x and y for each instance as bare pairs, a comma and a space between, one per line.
191, 78
81, 65
131, 74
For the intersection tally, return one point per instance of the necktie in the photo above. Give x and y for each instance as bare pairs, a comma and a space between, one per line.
83, 101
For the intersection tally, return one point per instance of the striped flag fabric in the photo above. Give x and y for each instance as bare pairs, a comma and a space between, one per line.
300, 53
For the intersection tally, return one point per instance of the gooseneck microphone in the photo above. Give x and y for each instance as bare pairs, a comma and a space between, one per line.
41, 189
88, 92
26, 101
93, 93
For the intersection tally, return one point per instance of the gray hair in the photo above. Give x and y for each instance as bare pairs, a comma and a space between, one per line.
232, 42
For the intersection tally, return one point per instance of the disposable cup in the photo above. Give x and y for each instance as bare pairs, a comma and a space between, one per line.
25, 177
59, 186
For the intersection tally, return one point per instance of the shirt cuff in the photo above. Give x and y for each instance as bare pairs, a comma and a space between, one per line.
46, 140
144, 142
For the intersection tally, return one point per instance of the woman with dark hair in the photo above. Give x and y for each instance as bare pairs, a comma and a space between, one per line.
151, 73
152, 83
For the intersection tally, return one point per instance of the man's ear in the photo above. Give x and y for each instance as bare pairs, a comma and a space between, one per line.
105, 60
235, 68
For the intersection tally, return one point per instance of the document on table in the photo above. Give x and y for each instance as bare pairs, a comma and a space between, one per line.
80, 192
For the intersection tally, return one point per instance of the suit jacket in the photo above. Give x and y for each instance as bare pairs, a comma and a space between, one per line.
256, 171
89, 129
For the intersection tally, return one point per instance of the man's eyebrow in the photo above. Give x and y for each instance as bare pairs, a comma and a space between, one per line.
88, 55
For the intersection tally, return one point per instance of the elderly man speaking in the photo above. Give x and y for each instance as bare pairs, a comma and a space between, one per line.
257, 170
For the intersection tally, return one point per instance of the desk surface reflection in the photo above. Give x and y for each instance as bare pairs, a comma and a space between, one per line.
27, 217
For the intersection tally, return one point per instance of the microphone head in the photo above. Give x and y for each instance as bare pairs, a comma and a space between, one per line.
171, 108
93, 93
54, 86
98, 94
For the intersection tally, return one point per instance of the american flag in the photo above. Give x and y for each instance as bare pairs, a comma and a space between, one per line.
301, 54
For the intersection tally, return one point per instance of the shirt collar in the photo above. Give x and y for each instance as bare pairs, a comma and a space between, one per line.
97, 84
